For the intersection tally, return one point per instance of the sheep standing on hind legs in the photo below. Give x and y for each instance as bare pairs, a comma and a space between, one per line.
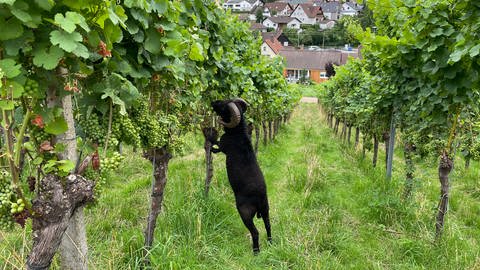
243, 171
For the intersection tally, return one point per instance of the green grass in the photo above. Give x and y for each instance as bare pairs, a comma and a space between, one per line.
329, 210
307, 90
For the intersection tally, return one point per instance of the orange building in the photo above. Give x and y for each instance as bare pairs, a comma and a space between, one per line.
311, 63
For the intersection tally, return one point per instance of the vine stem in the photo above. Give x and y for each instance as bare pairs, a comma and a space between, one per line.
110, 116
11, 161
21, 134
451, 137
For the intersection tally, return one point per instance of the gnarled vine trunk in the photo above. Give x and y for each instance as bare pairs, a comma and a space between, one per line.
270, 131
335, 128
444, 168
160, 158
208, 132
257, 137
357, 136
265, 133
54, 206
250, 131
386, 139
349, 133
375, 150
73, 247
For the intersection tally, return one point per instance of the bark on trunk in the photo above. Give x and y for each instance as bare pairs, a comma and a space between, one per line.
73, 247
209, 134
386, 139
275, 128
335, 128
257, 138
357, 136
54, 206
349, 134
270, 131
265, 133
444, 168
409, 169
250, 131
342, 132
375, 150
159, 158
390, 150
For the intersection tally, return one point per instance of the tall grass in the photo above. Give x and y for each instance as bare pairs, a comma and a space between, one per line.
329, 210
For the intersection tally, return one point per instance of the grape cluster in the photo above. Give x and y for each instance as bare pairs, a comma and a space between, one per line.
32, 89
151, 132
112, 163
6, 197
98, 178
123, 127
93, 128
17, 207
39, 134
107, 165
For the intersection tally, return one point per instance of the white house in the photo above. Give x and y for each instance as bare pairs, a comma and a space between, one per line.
281, 22
307, 13
241, 5
350, 9
331, 10
271, 47
277, 9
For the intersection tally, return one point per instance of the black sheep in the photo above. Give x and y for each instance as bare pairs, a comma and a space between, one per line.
244, 174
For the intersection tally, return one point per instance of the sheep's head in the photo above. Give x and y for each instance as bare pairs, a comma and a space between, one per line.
230, 111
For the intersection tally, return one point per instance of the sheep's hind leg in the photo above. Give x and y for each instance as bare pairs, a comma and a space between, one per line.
247, 212
266, 221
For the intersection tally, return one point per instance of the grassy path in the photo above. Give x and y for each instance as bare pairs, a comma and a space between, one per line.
329, 210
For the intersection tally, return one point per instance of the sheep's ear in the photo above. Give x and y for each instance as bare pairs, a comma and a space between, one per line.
241, 104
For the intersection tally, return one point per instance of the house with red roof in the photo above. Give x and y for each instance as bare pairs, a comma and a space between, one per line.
277, 9
312, 63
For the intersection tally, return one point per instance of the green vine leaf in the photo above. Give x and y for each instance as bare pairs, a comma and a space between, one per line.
65, 166
57, 126
11, 29
65, 23
47, 59
67, 41
196, 52
10, 68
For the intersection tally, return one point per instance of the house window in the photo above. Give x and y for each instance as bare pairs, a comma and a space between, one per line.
323, 75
